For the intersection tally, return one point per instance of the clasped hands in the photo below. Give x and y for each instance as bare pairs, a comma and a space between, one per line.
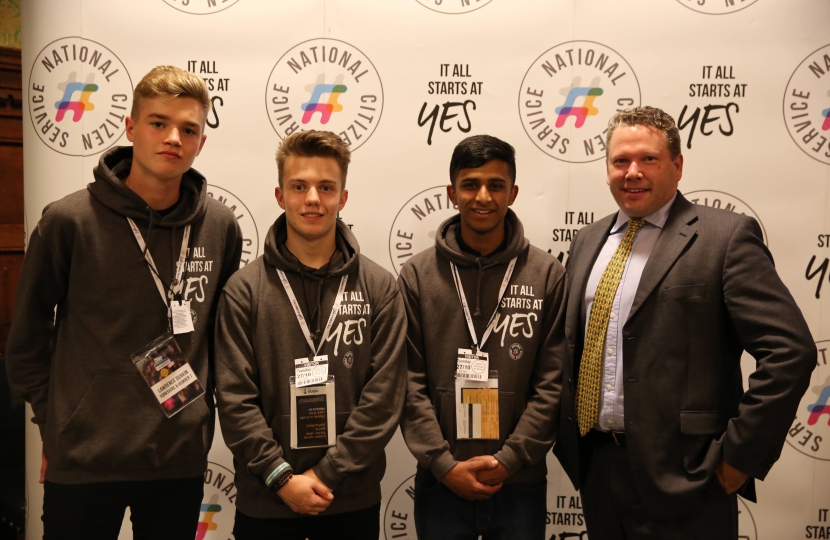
306, 494
476, 479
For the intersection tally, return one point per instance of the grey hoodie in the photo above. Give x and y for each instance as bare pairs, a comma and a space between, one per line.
526, 347
98, 418
258, 339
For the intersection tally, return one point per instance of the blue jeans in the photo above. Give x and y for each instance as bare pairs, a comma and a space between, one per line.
516, 512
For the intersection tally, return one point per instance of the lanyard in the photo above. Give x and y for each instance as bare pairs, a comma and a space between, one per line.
460, 288
299, 313
149, 258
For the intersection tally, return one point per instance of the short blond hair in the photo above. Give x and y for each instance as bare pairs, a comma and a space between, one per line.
170, 82
314, 143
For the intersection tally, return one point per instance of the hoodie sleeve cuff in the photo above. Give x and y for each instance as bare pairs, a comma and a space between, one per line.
327, 473
509, 459
271, 468
441, 465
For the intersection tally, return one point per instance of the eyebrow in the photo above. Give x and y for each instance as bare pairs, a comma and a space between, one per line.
165, 117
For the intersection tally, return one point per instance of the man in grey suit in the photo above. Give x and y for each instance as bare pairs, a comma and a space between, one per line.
656, 429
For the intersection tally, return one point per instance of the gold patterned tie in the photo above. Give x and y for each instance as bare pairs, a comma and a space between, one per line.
590, 370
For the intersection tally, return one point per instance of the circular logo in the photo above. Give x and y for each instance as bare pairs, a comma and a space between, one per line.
454, 7
417, 222
75, 79
325, 84
810, 432
570, 93
717, 7
746, 523
164, 373
200, 7
807, 105
477, 366
218, 508
515, 351
348, 359
250, 233
725, 201
193, 315
399, 517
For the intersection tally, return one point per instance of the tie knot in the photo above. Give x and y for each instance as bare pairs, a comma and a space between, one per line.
635, 224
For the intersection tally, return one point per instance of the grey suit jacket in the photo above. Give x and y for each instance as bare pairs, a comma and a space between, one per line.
708, 292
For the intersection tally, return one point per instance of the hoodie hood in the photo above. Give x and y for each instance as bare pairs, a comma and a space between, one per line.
446, 242
277, 255
109, 189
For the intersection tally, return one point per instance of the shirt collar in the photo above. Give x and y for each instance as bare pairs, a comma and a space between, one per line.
658, 218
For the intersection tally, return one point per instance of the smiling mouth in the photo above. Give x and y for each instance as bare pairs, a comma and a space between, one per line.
482, 212
312, 215
635, 190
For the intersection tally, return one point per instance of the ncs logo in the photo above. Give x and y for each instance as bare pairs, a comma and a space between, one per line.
807, 105
72, 117
812, 418
70, 87
588, 94
569, 94
316, 104
325, 84
207, 524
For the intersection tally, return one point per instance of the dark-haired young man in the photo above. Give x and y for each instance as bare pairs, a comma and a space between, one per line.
105, 268
486, 345
311, 366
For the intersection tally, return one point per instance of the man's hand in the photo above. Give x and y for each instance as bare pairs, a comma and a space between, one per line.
306, 495
491, 476
463, 479
730, 478
42, 468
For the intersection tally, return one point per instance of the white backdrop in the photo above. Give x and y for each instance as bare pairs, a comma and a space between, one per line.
748, 81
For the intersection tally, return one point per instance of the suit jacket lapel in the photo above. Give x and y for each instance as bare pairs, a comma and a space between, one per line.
679, 230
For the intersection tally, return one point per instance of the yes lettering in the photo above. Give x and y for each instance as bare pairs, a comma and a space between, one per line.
350, 331
519, 297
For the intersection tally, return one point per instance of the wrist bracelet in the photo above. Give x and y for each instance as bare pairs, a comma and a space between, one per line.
276, 473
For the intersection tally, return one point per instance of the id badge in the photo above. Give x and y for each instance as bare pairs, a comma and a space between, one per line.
168, 374
308, 372
477, 408
473, 366
312, 415
181, 317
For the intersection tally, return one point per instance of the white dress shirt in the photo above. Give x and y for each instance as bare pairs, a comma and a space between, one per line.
611, 413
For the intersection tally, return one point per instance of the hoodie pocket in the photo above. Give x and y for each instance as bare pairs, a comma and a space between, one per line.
118, 425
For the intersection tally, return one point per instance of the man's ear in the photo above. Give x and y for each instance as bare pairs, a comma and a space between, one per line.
451, 194
344, 196
514, 191
279, 196
129, 126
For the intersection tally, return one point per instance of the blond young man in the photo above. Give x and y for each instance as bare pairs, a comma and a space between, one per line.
309, 459
104, 268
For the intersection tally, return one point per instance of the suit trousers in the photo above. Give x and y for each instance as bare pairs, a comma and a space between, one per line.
614, 511
159, 509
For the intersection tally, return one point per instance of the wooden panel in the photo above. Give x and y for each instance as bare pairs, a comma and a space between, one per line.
11, 183
11, 237
9, 274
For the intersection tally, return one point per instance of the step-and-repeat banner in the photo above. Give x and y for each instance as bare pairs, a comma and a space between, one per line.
748, 82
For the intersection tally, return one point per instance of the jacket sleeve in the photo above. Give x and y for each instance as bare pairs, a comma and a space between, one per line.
535, 432
772, 329
244, 427
419, 422
373, 422
44, 279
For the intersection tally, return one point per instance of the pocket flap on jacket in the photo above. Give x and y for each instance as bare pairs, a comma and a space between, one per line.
703, 422
684, 291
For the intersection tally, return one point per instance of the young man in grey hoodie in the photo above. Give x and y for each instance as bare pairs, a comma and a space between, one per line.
482, 301
97, 284
309, 466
